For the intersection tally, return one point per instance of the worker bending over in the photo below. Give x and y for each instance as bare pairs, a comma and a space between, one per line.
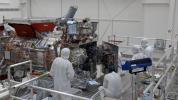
112, 86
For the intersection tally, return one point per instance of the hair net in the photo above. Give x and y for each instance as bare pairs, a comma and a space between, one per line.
144, 43
136, 49
65, 52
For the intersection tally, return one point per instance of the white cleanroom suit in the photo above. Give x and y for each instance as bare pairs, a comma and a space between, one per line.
146, 49
62, 71
112, 85
137, 54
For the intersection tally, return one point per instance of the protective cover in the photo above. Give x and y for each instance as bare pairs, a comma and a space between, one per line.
43, 27
23, 30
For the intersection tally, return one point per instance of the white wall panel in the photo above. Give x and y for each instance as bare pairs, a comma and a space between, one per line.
124, 28
9, 9
46, 8
9, 14
4, 1
156, 21
9, 4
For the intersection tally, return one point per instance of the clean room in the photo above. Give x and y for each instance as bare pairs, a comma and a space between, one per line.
88, 49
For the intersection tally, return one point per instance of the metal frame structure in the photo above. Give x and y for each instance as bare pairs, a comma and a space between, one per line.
163, 81
27, 83
151, 88
9, 77
127, 41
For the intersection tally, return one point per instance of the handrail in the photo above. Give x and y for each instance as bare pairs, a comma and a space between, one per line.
9, 75
163, 76
148, 88
14, 65
36, 87
172, 76
26, 83
163, 57
45, 89
96, 94
31, 80
17, 98
151, 85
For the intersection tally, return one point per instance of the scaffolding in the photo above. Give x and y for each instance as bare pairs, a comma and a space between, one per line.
160, 89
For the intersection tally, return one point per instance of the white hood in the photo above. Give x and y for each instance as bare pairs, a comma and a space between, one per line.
65, 53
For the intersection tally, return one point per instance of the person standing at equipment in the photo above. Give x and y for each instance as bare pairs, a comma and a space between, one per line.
62, 71
137, 54
146, 49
